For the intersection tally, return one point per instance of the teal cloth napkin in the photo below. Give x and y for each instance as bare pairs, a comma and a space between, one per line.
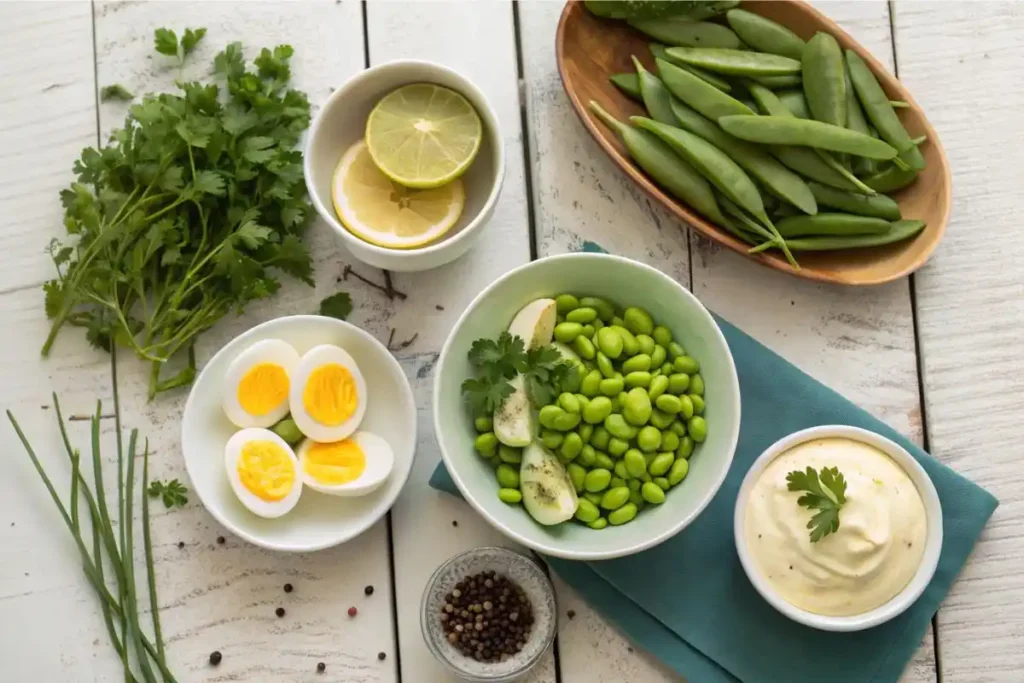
688, 602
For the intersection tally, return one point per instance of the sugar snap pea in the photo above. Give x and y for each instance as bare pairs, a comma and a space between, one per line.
880, 112
758, 163
655, 95
752, 228
776, 82
831, 224
781, 130
855, 121
900, 230
795, 102
705, 98
628, 84
878, 205
765, 35
664, 166
658, 52
890, 179
683, 32
824, 79
735, 62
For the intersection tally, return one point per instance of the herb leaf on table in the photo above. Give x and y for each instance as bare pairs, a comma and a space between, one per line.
824, 492
336, 306
173, 493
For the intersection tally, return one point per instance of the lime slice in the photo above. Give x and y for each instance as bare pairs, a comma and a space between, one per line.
382, 212
423, 135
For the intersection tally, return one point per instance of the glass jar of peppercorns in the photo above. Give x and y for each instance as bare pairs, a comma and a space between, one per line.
489, 614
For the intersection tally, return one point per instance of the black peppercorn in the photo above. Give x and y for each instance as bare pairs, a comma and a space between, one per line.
279, 611
487, 617
215, 657
321, 667
381, 656
181, 544
368, 590
288, 588
220, 540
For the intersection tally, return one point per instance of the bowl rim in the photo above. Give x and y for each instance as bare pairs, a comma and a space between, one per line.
492, 131
367, 520
933, 541
549, 549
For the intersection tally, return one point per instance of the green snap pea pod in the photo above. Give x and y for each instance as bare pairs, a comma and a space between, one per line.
734, 228
776, 82
735, 62
624, 514
878, 205
890, 179
745, 223
855, 121
510, 496
685, 33
824, 79
705, 98
713, 163
795, 102
831, 224
656, 96
658, 52
782, 130
900, 230
629, 84
899, 104
758, 163
665, 167
765, 35
880, 112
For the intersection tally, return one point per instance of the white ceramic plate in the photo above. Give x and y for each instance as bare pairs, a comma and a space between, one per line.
318, 521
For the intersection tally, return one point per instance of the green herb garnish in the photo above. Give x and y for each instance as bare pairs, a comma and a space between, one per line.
115, 92
172, 493
336, 306
825, 492
544, 372
166, 42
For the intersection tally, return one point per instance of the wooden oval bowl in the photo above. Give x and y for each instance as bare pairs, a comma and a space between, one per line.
590, 49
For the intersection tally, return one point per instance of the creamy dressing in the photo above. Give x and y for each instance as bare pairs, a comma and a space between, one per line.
876, 550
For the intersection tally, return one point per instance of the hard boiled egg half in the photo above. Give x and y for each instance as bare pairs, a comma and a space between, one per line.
328, 394
257, 384
351, 467
263, 471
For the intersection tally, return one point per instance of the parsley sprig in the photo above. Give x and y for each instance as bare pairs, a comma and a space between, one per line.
498, 362
188, 211
173, 493
824, 492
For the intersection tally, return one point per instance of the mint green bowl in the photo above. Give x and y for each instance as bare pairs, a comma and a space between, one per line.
626, 283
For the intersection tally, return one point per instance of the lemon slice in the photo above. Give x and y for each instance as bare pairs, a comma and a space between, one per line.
387, 214
423, 135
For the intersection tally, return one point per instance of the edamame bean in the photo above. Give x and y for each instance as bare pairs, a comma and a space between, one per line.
686, 364
604, 462
605, 311
616, 321
586, 431
661, 419
591, 384
624, 514
678, 382
638, 321
512, 456
568, 403
614, 498
598, 524
638, 379
584, 347
662, 335
782, 130
620, 470
611, 386
686, 447
588, 332
587, 511
493, 461
634, 485
698, 403
583, 401
548, 414
638, 363
669, 440
880, 112
486, 443
666, 368
617, 446
598, 324
648, 439
634, 463
637, 499
565, 303
609, 342
551, 439
669, 404
599, 439
566, 421
510, 496
661, 463
618, 427
582, 315
594, 498
658, 356
571, 446
646, 343
677, 428
566, 332
617, 402
662, 482
675, 350
605, 365
685, 407
599, 408
618, 482
636, 409
697, 428
597, 480
508, 476
484, 423
678, 471
577, 475
587, 456
765, 35
658, 386
292, 435
697, 385
630, 346
653, 493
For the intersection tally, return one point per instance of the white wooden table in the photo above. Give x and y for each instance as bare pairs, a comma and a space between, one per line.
938, 355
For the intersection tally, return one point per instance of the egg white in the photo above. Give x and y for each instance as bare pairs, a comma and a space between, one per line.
380, 460
316, 357
273, 351
255, 504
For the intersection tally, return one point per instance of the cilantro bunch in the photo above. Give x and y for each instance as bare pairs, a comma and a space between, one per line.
190, 211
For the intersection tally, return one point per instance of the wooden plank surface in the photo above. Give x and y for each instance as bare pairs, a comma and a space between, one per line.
957, 59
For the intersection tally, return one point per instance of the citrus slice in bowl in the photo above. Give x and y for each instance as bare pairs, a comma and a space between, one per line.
423, 135
382, 212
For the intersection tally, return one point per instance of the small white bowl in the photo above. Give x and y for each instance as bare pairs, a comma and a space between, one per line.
933, 542
341, 122
318, 521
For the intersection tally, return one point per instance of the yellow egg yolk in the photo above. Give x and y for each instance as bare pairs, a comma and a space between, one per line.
266, 470
330, 396
262, 388
335, 463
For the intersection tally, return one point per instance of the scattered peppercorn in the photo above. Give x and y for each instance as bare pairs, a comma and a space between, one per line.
321, 667
288, 588
181, 544
215, 657
381, 656
455, 523
571, 614
352, 611
487, 617
220, 540
368, 590
279, 611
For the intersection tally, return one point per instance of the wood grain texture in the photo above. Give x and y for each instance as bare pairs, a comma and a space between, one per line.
970, 299
591, 49
481, 45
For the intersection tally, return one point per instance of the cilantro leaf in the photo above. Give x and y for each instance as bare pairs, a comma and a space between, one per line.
190, 39
172, 493
166, 42
115, 92
548, 374
824, 492
485, 396
336, 306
